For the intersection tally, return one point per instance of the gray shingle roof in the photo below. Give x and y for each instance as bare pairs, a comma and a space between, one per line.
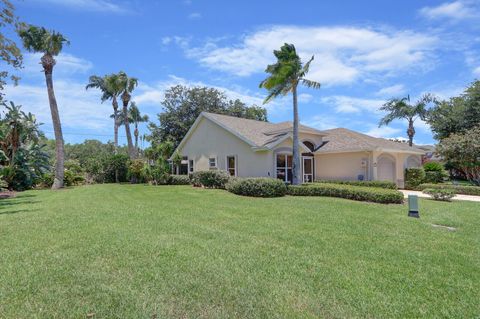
344, 140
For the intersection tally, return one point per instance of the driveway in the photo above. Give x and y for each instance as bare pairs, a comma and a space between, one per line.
457, 197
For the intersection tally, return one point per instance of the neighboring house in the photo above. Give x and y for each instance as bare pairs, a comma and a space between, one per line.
249, 148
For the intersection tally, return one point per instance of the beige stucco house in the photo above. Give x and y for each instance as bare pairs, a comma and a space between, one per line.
248, 148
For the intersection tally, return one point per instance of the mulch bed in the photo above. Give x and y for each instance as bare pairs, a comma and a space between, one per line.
7, 194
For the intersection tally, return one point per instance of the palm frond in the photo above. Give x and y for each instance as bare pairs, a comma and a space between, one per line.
311, 84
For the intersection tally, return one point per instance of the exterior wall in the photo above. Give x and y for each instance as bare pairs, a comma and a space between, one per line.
343, 166
210, 140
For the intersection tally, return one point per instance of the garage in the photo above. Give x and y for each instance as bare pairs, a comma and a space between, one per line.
386, 168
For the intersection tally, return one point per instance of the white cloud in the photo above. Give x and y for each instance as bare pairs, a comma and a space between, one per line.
476, 71
347, 104
342, 54
321, 122
384, 131
393, 90
305, 97
67, 64
89, 5
456, 10
194, 15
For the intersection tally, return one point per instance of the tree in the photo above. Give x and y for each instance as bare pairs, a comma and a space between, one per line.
110, 86
182, 105
136, 117
456, 115
285, 76
462, 151
402, 109
50, 43
23, 159
9, 51
127, 84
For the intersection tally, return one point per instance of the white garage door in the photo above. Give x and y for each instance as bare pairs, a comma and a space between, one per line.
386, 169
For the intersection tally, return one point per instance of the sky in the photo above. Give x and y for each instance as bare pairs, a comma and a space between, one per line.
366, 52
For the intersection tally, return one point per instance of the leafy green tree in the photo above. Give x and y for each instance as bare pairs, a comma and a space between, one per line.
398, 109
182, 105
285, 76
9, 51
127, 84
50, 43
111, 88
462, 151
456, 115
23, 160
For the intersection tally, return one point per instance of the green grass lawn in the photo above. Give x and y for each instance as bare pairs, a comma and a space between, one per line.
135, 251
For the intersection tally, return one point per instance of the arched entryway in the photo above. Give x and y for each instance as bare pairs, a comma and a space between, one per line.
413, 161
386, 168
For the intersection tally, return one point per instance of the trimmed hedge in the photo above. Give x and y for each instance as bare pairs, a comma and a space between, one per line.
414, 177
440, 194
257, 187
379, 184
359, 193
457, 189
179, 180
211, 179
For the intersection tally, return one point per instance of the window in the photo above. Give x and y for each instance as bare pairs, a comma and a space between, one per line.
212, 162
309, 145
232, 165
190, 166
284, 163
183, 169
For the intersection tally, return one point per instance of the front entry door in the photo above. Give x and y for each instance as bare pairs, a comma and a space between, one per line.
307, 169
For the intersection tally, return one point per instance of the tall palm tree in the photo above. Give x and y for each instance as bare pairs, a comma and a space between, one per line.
136, 118
110, 86
50, 43
284, 78
128, 84
402, 109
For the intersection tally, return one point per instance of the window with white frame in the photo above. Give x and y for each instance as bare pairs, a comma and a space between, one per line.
232, 165
190, 166
284, 163
212, 162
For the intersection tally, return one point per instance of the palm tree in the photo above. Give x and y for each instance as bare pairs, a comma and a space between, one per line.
285, 76
110, 86
136, 117
402, 109
128, 84
50, 43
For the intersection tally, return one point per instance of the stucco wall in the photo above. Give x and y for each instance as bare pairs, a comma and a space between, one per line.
344, 166
210, 140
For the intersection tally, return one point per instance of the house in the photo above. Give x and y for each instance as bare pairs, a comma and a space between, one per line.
249, 148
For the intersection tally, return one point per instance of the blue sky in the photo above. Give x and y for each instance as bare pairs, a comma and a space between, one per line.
365, 52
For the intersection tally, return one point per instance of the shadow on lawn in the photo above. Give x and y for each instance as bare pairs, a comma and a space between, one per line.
7, 205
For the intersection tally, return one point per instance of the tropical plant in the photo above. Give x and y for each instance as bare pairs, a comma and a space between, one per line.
23, 159
50, 43
110, 86
285, 76
127, 85
136, 117
402, 109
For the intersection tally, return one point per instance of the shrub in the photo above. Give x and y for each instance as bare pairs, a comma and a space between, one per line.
179, 180
257, 187
360, 193
414, 177
457, 189
135, 170
3, 184
440, 194
434, 177
433, 167
379, 184
211, 179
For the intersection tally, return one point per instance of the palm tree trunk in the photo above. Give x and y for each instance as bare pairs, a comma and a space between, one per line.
48, 62
135, 132
131, 151
296, 179
115, 124
410, 132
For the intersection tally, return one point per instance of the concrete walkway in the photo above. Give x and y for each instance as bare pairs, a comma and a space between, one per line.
457, 197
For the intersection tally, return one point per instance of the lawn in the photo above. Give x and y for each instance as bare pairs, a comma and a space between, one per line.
135, 251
